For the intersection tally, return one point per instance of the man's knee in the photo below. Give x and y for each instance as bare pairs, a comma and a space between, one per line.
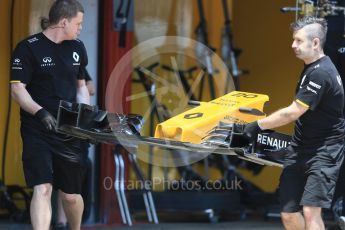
310, 213
70, 198
287, 217
43, 190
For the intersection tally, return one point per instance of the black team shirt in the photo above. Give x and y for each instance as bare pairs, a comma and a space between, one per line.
319, 88
49, 70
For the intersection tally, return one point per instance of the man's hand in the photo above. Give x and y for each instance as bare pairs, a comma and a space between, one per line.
251, 131
46, 118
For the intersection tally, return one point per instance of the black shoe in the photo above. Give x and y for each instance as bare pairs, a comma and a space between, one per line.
341, 222
60, 226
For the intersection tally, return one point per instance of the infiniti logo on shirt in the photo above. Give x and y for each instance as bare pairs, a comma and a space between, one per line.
47, 61
16, 64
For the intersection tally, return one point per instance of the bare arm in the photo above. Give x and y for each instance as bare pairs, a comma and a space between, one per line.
90, 87
23, 98
283, 116
82, 92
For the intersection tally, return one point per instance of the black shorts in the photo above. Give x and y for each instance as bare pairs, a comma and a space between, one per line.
42, 163
308, 179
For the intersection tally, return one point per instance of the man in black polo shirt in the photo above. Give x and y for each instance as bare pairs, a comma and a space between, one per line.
313, 160
335, 49
46, 68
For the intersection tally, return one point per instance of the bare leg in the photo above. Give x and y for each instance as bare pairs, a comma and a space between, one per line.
293, 221
40, 207
73, 205
61, 216
313, 219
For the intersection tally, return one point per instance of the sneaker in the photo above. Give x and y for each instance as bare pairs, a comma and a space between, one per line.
341, 222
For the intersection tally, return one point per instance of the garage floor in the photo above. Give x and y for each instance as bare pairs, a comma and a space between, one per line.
249, 223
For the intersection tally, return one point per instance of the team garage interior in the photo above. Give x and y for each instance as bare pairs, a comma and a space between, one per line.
158, 59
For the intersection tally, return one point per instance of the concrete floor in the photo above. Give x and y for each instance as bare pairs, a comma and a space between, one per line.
184, 222
236, 225
240, 225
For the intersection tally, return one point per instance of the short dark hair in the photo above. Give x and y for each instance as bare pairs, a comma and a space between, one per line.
61, 9
320, 32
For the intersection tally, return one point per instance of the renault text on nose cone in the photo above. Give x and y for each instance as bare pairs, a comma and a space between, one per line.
272, 142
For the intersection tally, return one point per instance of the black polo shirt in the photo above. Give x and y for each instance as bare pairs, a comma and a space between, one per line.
320, 89
49, 70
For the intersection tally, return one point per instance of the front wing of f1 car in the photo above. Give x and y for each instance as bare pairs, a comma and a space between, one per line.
212, 127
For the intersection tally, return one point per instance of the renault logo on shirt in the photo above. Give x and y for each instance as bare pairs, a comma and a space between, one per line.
47, 61
341, 50
303, 78
76, 58
339, 80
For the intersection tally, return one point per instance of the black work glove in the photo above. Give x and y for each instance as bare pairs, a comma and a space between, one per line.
251, 131
47, 119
